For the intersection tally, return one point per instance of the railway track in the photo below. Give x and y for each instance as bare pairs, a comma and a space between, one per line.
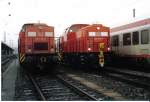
56, 88
52, 89
128, 72
135, 84
135, 78
131, 79
63, 87
138, 79
129, 91
96, 94
25, 90
5, 62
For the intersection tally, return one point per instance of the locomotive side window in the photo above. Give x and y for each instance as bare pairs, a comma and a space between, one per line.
49, 34
144, 37
127, 39
31, 34
115, 40
135, 38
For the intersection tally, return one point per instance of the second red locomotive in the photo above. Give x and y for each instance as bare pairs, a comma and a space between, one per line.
36, 44
84, 44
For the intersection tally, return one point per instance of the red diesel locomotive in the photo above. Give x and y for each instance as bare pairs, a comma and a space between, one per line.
36, 44
86, 45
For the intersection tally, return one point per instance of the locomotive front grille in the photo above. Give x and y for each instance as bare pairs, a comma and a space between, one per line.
41, 46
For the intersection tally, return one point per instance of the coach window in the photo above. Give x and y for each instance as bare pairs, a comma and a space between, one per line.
135, 38
127, 39
144, 37
115, 40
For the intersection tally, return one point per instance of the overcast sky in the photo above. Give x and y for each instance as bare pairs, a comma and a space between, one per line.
63, 13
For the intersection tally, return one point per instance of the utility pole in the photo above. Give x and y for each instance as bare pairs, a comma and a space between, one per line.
11, 43
134, 13
4, 36
6, 24
9, 6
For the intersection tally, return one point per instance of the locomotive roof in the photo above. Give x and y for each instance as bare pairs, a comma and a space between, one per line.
36, 24
93, 25
131, 25
78, 25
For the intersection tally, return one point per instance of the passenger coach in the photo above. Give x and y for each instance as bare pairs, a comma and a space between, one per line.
132, 42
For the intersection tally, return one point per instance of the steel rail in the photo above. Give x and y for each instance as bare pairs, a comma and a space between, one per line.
37, 88
129, 72
130, 81
78, 90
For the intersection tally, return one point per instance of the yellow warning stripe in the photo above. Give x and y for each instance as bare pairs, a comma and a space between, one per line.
59, 55
101, 54
22, 57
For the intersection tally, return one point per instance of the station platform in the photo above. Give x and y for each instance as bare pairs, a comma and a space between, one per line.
8, 80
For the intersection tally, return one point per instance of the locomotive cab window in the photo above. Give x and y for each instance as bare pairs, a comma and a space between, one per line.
127, 39
135, 38
49, 34
144, 37
98, 33
115, 40
31, 34
104, 33
92, 33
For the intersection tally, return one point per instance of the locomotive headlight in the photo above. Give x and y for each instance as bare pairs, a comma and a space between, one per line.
89, 49
108, 48
29, 50
52, 50
98, 28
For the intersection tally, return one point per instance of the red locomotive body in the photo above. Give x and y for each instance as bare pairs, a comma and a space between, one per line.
69, 37
36, 44
89, 38
82, 45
